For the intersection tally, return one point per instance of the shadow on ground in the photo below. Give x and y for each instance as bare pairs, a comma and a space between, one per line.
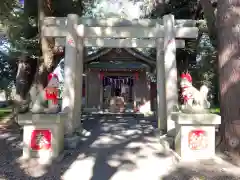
115, 145
108, 145
190, 173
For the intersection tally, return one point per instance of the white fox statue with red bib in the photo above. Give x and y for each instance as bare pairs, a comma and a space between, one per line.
47, 100
195, 101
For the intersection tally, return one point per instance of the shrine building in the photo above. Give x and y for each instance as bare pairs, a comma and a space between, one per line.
124, 72
118, 72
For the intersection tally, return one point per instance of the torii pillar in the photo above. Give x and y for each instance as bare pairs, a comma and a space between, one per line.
167, 93
72, 91
167, 88
171, 86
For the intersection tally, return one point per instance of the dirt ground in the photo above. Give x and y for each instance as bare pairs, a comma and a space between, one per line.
117, 149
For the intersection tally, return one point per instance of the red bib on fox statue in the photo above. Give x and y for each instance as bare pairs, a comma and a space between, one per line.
51, 92
186, 82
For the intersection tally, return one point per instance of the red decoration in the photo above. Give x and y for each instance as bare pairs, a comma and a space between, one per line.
41, 139
101, 75
52, 75
136, 75
51, 93
186, 76
70, 41
197, 139
186, 96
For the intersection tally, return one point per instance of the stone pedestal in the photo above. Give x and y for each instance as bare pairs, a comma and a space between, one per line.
43, 135
195, 135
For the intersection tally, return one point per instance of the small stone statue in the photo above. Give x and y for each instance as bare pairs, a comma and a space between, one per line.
47, 101
195, 101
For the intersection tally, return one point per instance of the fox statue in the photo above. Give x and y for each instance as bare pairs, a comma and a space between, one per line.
193, 98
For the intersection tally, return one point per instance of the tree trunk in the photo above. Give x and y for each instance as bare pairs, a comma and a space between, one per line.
210, 17
24, 79
229, 72
47, 45
32, 76
46, 62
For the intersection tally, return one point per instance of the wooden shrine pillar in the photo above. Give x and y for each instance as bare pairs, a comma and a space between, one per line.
134, 94
86, 89
101, 106
73, 61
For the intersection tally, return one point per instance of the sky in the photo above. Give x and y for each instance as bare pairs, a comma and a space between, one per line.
21, 2
4, 45
123, 8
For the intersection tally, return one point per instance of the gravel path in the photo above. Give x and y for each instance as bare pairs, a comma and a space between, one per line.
119, 149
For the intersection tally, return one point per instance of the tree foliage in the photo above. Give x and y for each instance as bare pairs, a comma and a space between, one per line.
22, 22
23, 31
7, 72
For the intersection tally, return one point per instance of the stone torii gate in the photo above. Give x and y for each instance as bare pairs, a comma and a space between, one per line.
120, 33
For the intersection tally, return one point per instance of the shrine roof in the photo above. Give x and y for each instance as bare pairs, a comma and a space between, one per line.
117, 65
93, 53
133, 52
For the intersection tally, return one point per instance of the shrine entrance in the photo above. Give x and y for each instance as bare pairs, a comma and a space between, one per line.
118, 72
121, 86
120, 33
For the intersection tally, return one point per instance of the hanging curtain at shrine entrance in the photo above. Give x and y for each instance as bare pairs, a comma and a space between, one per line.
118, 81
